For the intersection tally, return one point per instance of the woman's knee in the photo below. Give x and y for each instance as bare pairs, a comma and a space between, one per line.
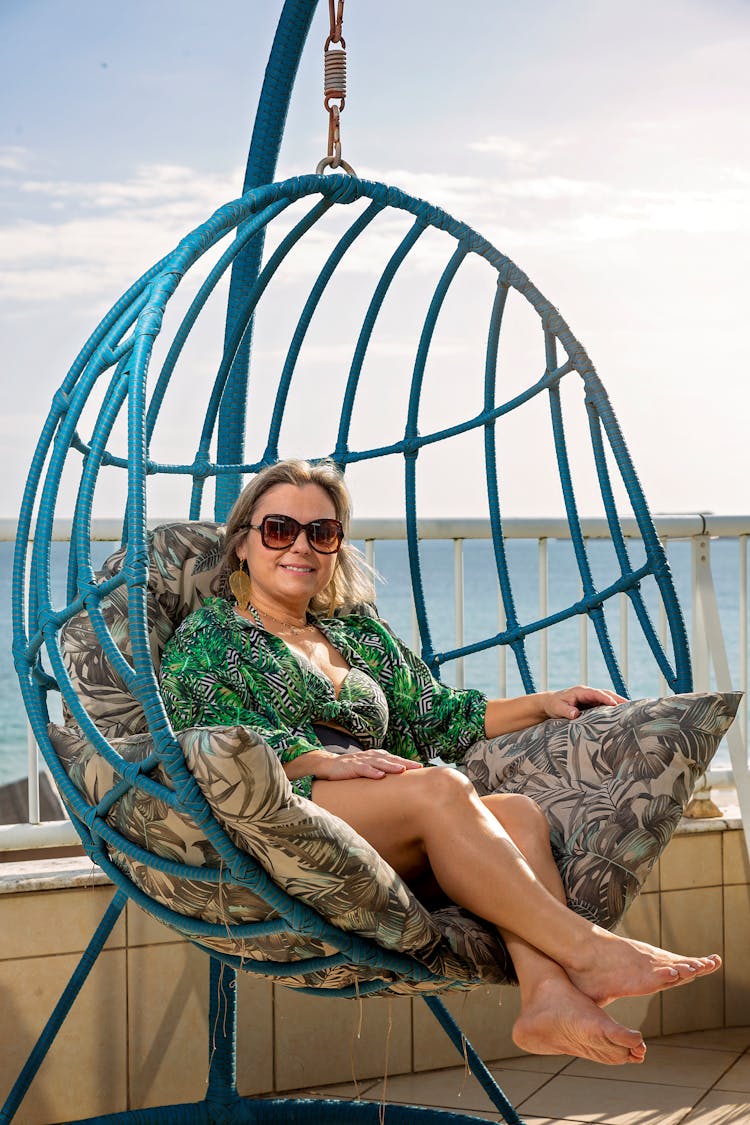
440, 786
518, 814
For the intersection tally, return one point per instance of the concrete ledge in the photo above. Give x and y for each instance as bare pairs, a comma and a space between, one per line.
50, 875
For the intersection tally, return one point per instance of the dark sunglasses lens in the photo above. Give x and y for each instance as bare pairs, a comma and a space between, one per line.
325, 535
279, 531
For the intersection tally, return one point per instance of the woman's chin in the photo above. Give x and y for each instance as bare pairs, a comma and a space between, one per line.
298, 585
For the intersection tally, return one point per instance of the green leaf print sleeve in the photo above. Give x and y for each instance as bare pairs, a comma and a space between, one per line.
444, 721
200, 687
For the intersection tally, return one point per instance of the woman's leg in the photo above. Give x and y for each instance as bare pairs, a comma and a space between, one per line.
555, 1018
433, 816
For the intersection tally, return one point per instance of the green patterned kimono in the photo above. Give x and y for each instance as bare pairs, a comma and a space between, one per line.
221, 670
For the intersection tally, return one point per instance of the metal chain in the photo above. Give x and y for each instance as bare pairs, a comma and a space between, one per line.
334, 88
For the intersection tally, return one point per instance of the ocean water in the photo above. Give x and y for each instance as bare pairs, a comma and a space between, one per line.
480, 617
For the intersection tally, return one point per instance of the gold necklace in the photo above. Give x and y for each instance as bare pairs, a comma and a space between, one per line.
295, 630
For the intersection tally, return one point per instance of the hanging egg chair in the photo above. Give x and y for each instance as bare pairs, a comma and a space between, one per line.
121, 770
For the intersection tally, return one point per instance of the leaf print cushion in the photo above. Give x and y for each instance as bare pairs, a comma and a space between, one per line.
311, 854
613, 785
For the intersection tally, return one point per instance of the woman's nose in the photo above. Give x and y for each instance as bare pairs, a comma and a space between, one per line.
301, 543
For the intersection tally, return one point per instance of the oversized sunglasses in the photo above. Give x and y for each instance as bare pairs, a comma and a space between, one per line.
279, 532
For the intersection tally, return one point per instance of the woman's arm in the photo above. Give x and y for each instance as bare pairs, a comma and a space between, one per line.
505, 715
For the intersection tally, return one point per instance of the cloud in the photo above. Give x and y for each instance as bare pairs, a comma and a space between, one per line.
551, 188
509, 147
519, 155
13, 158
150, 185
97, 237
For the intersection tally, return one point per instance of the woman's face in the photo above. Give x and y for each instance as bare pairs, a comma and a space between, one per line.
293, 576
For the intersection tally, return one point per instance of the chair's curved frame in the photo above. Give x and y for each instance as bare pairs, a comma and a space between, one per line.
123, 342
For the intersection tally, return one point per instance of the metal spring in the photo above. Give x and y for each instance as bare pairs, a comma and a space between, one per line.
334, 78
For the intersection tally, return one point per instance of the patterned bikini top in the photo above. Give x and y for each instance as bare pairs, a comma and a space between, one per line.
361, 707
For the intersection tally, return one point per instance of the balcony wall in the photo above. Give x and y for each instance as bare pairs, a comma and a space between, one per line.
136, 1036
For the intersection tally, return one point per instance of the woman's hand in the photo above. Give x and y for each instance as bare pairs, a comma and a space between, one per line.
569, 703
362, 763
505, 715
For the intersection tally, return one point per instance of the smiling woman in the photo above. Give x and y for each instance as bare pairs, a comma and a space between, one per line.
271, 663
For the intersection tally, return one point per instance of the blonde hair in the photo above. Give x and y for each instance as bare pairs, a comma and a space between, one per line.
352, 581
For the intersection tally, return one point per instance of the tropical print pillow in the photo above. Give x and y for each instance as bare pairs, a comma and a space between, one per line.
613, 785
185, 567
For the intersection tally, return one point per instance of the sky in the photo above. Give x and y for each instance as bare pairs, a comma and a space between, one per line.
601, 146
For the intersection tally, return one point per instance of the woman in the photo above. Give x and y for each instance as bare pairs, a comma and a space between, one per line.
354, 715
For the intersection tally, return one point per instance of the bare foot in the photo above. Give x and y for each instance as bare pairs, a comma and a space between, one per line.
559, 1020
610, 967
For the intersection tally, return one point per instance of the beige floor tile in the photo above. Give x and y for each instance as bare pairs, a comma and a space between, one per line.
43, 923
493, 1115
455, 1088
736, 960
486, 1016
692, 923
85, 1072
320, 1040
692, 861
168, 1024
736, 862
716, 1039
540, 1064
720, 1109
254, 1034
610, 1103
737, 1077
668, 1066
351, 1090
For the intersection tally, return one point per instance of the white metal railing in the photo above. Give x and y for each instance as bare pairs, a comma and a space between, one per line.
707, 641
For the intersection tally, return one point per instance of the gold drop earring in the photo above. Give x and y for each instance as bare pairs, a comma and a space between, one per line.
241, 586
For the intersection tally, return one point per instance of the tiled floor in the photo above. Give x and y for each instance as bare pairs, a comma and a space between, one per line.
701, 1078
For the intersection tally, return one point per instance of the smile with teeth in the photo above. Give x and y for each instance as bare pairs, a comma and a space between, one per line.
297, 569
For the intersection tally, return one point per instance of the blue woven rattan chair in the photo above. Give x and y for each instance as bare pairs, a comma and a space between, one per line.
116, 376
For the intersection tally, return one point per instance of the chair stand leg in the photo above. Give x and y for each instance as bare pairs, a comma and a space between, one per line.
63, 1006
476, 1066
222, 1036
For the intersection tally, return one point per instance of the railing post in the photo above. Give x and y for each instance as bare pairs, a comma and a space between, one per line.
583, 647
702, 579
458, 607
543, 549
707, 631
32, 758
743, 685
